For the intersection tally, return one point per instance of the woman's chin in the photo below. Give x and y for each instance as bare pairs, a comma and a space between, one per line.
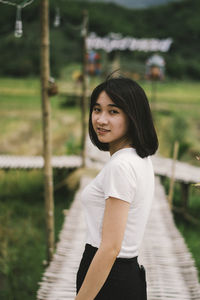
103, 139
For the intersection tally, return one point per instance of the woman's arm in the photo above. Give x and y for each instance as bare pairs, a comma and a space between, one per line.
114, 224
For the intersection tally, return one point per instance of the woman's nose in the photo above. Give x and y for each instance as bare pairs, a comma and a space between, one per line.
102, 119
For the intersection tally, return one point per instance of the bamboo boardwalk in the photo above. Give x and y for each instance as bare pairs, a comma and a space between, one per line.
171, 273
37, 162
184, 172
162, 166
59, 279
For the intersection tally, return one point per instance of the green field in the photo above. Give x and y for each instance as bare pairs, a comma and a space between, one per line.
176, 114
176, 106
21, 121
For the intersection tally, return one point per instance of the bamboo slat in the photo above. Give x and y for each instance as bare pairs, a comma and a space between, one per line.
59, 279
183, 172
171, 271
162, 166
37, 162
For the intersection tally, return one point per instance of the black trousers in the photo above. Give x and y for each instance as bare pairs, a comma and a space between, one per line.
126, 280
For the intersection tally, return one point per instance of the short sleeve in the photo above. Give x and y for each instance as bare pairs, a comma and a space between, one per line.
119, 181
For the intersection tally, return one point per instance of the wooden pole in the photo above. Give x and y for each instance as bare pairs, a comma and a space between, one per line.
46, 118
171, 187
84, 87
116, 61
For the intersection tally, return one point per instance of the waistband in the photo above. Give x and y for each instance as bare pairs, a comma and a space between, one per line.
91, 250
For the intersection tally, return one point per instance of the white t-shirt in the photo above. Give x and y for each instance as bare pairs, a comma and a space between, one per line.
128, 177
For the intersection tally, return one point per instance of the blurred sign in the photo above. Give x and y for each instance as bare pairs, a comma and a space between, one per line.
115, 41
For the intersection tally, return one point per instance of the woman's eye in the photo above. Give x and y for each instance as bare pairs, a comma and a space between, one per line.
114, 111
96, 109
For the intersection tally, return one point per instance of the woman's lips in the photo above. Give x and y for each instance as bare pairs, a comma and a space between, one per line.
102, 130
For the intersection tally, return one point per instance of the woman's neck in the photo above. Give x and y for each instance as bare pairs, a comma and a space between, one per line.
113, 147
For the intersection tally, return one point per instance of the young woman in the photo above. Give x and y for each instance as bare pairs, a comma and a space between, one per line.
118, 201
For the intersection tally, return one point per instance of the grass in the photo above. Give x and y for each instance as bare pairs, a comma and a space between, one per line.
22, 231
21, 121
191, 236
174, 92
176, 115
172, 99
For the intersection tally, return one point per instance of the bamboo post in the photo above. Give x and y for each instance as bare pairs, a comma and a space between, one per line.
116, 61
171, 186
46, 118
84, 87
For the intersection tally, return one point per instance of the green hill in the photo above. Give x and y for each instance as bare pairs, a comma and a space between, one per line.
180, 21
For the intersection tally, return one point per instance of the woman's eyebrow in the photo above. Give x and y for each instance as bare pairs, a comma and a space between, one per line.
112, 105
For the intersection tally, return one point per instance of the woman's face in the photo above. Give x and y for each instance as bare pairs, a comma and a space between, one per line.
110, 123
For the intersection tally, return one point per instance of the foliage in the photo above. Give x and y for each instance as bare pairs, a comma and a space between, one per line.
180, 21
72, 146
197, 184
191, 235
178, 132
22, 230
175, 99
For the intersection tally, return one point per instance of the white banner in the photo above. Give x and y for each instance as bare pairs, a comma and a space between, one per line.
116, 42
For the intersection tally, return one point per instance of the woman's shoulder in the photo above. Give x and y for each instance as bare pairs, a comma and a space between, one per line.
121, 161
128, 158
125, 156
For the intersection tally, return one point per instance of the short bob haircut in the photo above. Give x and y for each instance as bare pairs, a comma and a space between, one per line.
131, 98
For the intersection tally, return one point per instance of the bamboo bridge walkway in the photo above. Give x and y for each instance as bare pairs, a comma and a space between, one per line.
162, 166
170, 268
9, 162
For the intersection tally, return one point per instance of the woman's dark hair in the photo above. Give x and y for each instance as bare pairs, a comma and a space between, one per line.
131, 98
